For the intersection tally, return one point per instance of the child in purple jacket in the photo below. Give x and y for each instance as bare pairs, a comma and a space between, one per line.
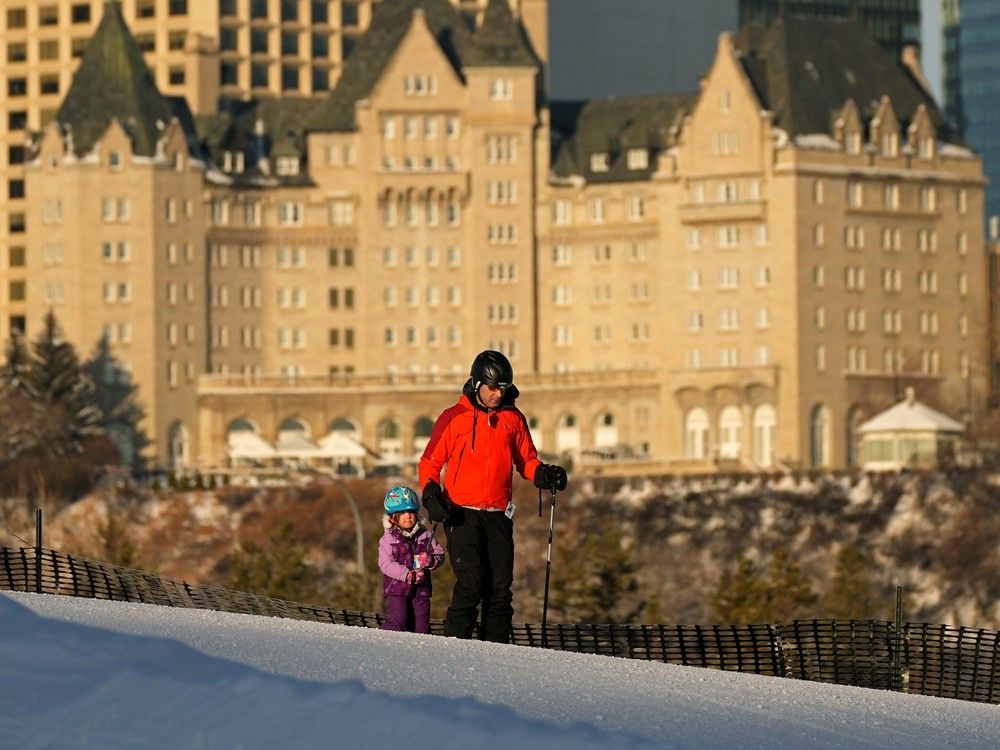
407, 553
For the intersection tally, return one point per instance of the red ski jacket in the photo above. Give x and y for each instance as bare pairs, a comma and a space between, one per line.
480, 448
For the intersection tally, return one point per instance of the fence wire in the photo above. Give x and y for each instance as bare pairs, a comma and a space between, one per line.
940, 660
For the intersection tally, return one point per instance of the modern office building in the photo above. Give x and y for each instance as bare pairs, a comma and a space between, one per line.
895, 24
733, 277
980, 99
197, 50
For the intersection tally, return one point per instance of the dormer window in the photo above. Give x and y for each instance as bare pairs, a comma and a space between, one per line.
115, 160
890, 144
288, 166
638, 158
925, 147
852, 142
599, 162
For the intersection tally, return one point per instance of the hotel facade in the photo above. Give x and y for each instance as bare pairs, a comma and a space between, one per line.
727, 279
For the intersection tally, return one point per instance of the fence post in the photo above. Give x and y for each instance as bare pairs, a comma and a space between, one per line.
38, 550
897, 643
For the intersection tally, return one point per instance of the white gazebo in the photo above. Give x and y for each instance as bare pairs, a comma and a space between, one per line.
908, 435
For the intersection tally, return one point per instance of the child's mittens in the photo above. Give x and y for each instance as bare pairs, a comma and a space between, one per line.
424, 560
415, 577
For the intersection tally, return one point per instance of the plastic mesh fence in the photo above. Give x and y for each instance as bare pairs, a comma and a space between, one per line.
940, 660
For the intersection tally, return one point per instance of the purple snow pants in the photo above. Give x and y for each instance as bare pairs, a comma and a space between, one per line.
411, 613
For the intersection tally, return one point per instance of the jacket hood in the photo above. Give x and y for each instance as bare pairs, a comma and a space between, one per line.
509, 396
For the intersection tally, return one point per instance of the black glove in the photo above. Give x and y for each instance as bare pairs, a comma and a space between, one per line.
434, 501
550, 477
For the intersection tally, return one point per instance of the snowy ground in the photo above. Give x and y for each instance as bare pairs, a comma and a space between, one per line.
76, 673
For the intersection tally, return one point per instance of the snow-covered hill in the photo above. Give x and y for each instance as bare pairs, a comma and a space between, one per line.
78, 673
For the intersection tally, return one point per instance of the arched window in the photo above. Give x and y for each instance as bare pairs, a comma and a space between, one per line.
696, 434
243, 425
855, 416
567, 434
605, 431
422, 430
390, 445
388, 429
343, 424
730, 432
296, 425
178, 446
535, 428
819, 437
765, 425
423, 427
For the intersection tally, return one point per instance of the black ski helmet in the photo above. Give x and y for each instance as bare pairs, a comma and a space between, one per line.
493, 369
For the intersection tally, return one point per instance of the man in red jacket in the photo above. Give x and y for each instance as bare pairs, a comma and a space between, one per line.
480, 440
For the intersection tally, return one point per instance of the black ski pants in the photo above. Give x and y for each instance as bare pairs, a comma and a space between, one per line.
481, 548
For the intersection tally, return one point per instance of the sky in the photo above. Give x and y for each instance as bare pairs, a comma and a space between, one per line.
81, 673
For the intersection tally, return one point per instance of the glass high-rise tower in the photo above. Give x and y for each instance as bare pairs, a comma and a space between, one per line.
980, 74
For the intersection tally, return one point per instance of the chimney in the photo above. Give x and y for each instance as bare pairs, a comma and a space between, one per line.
911, 395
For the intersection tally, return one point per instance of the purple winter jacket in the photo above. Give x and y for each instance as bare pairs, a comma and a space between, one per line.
396, 553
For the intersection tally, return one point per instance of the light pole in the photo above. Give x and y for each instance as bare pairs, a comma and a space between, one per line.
358, 528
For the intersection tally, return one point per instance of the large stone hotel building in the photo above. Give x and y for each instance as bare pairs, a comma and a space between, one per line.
729, 278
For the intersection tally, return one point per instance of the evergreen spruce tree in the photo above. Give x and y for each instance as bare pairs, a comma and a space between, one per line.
600, 584
851, 595
60, 382
23, 423
744, 596
739, 596
277, 570
115, 546
789, 595
115, 398
16, 371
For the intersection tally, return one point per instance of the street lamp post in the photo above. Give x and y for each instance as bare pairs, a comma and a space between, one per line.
358, 528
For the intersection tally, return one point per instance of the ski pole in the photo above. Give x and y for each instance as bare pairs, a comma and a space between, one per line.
548, 571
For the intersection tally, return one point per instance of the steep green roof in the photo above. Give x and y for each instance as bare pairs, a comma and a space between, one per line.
113, 82
500, 40
804, 70
614, 127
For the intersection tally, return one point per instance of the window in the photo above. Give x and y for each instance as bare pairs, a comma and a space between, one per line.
48, 84
290, 213
634, 207
818, 192
47, 50
855, 194
562, 213
760, 235
17, 119
729, 278
48, 15
177, 7
597, 211
729, 236
890, 144
638, 158
17, 18
501, 89
599, 162
692, 238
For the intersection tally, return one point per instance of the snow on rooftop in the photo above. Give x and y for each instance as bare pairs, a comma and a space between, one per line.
910, 415
78, 673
